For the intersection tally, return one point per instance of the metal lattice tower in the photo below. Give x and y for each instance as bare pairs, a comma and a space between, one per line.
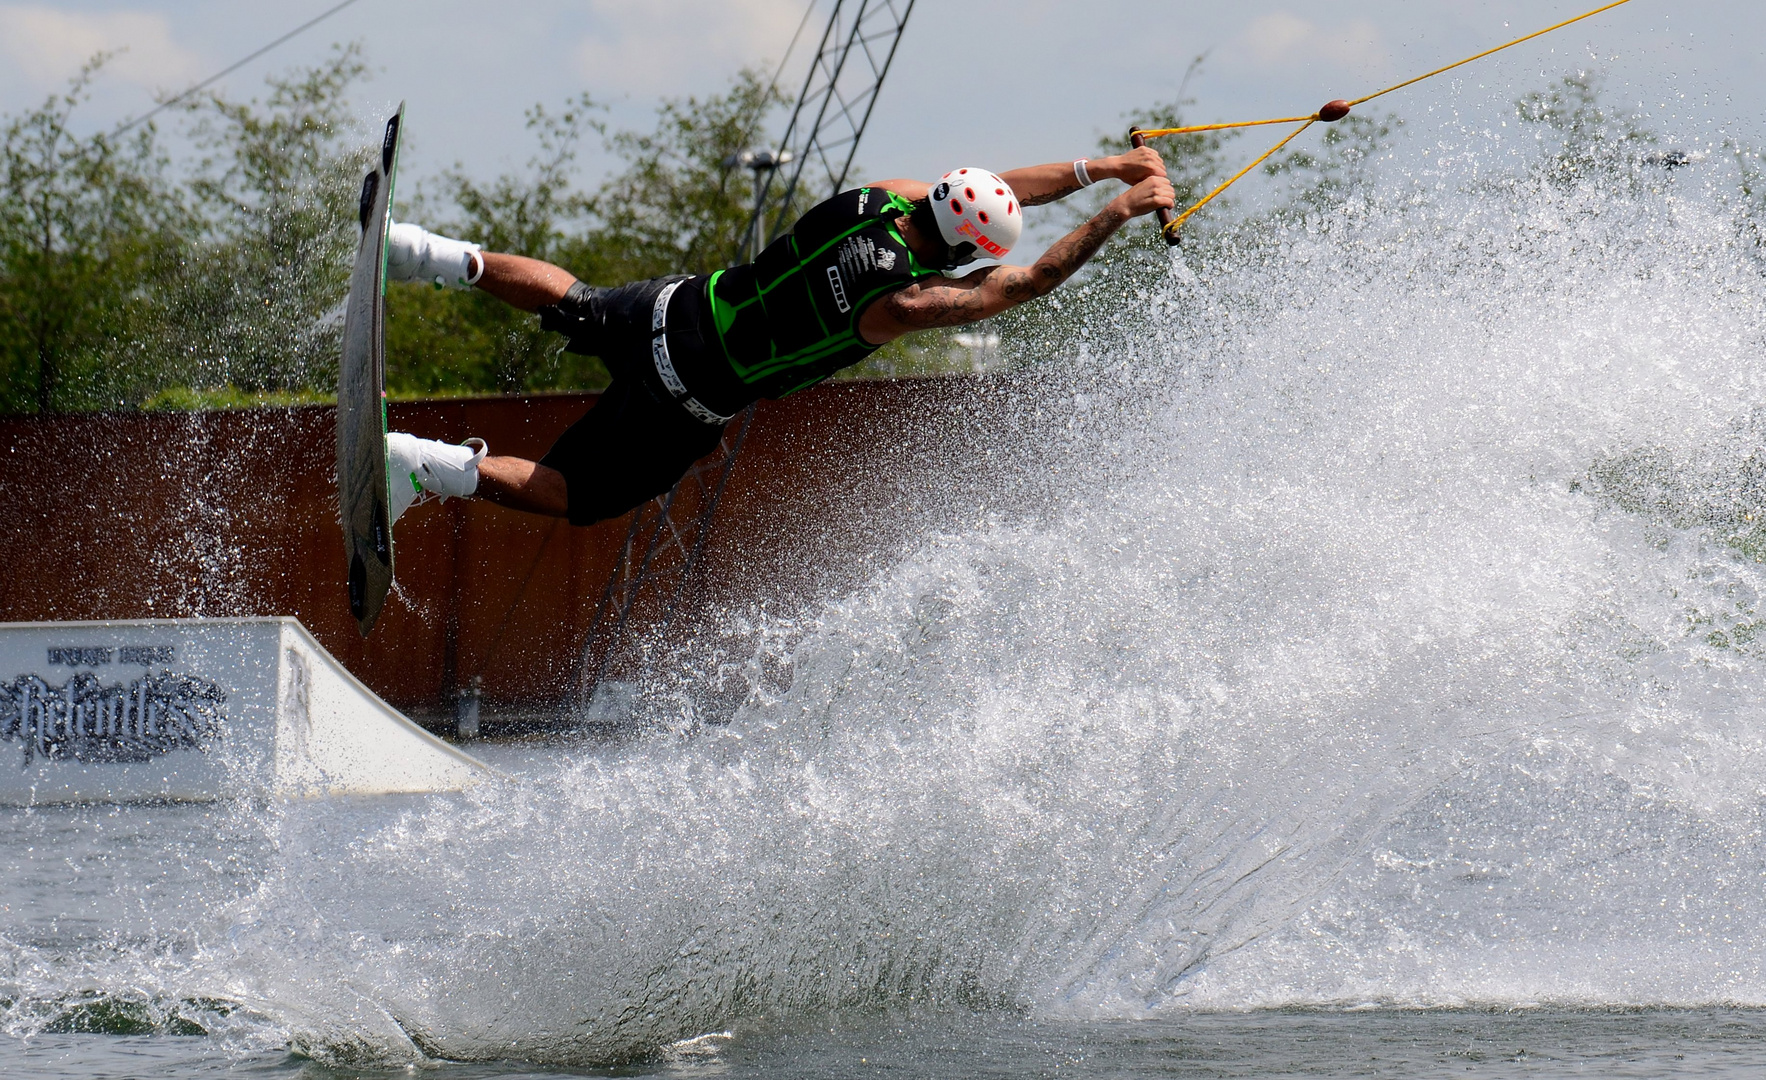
829, 119
667, 535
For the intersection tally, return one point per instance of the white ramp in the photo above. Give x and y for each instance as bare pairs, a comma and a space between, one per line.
199, 709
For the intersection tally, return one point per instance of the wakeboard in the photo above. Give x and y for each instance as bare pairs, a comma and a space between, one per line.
363, 489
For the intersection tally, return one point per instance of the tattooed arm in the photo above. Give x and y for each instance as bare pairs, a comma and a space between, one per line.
1040, 184
993, 290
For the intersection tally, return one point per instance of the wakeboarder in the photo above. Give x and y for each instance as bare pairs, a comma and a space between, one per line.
689, 352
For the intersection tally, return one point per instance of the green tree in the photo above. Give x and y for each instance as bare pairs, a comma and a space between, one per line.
676, 206
680, 205
1751, 190
444, 342
88, 228
257, 308
1590, 138
1320, 176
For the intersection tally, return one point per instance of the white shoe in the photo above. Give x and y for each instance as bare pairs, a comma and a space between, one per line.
426, 467
413, 254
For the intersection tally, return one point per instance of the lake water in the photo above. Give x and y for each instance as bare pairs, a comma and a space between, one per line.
114, 916
1477, 1045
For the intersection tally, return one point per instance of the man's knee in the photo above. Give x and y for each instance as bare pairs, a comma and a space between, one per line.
580, 316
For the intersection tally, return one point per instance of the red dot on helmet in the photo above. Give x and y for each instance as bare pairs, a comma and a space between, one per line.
983, 216
956, 207
962, 172
970, 192
999, 191
1008, 208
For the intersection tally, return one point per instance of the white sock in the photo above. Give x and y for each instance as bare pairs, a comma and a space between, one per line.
414, 254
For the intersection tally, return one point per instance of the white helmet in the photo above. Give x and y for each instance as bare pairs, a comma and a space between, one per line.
977, 214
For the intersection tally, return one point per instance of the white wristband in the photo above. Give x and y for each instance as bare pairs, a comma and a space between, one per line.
1080, 174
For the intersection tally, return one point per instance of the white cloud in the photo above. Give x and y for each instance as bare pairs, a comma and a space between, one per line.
1282, 39
48, 46
671, 46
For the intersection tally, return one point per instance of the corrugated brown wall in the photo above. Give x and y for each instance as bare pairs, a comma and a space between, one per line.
234, 513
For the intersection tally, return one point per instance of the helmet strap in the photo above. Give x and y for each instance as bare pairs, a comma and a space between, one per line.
923, 221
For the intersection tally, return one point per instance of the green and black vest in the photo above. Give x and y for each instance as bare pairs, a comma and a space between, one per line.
790, 318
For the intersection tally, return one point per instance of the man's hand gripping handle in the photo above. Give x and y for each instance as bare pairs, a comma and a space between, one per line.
1166, 216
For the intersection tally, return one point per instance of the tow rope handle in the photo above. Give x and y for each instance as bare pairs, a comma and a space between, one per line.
1167, 216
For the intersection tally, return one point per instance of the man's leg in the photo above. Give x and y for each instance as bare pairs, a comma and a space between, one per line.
519, 281
528, 284
523, 485
463, 470
413, 253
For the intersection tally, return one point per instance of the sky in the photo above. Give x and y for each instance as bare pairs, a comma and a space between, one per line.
995, 83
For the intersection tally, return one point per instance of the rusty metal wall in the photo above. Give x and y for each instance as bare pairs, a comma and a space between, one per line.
233, 512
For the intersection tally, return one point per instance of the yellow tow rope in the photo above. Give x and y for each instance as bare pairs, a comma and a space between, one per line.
1329, 113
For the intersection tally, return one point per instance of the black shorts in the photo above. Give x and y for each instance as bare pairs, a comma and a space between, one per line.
637, 441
